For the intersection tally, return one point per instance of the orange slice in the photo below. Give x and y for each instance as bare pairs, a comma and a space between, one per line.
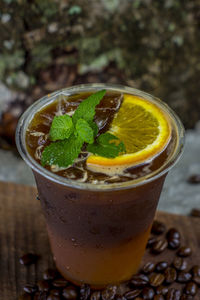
143, 127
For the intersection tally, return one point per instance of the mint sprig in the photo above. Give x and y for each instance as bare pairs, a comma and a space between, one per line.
68, 134
107, 145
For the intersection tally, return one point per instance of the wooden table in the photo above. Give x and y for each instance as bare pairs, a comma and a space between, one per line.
22, 230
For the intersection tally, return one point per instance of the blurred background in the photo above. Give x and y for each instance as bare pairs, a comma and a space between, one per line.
150, 45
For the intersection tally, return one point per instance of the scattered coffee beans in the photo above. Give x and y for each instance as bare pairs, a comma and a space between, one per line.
28, 259
184, 251
156, 279
158, 227
194, 179
148, 268
161, 266
179, 263
159, 246
170, 275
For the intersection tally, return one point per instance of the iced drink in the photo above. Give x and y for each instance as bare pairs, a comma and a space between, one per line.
99, 210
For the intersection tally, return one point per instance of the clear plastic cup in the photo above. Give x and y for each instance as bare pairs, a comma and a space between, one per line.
98, 233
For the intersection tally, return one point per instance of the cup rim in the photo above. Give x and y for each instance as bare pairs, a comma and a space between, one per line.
28, 115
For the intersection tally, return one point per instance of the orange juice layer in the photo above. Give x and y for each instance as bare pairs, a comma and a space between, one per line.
98, 266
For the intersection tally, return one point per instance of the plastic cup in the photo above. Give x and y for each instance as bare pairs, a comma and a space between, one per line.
98, 233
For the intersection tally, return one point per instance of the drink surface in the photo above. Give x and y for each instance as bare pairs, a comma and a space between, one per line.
37, 138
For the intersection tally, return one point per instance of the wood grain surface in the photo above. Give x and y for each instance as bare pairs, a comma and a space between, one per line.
22, 230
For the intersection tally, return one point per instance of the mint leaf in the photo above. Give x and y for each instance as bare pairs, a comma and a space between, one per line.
62, 153
107, 145
94, 127
84, 131
61, 128
86, 109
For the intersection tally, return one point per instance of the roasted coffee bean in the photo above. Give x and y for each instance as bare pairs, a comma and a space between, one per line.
84, 292
170, 275
25, 296
173, 233
109, 293
173, 294
195, 212
60, 282
162, 290
179, 263
139, 280
184, 251
159, 246
174, 244
50, 274
28, 259
40, 296
184, 277
161, 266
158, 227
43, 285
186, 297
191, 288
156, 279
195, 270
148, 267
97, 296
132, 294
37, 198
158, 297
119, 297
194, 179
30, 288
70, 293
55, 292
53, 297
196, 279
151, 241
148, 293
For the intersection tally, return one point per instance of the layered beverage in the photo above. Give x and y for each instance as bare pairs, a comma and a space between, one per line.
100, 155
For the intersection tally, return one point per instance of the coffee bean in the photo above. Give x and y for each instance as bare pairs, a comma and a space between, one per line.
50, 274
28, 259
109, 293
70, 293
194, 179
132, 294
173, 233
158, 227
191, 288
159, 246
25, 296
148, 293
186, 297
184, 251
195, 270
37, 198
184, 277
139, 280
170, 275
196, 279
174, 244
148, 267
53, 297
162, 290
55, 292
195, 212
30, 288
43, 285
173, 294
158, 297
84, 292
40, 296
161, 266
118, 297
97, 296
151, 241
156, 279
179, 263
60, 282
